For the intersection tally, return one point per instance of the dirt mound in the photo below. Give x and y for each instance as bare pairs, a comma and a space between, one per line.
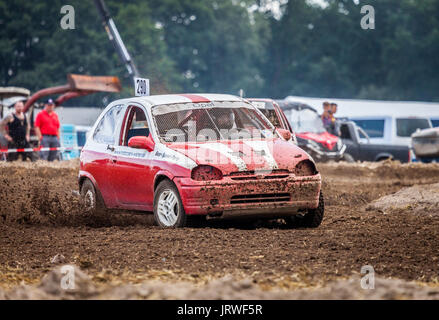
407, 173
37, 192
419, 199
43, 193
221, 289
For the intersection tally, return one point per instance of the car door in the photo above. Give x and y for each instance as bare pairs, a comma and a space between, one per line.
131, 171
97, 156
367, 150
352, 147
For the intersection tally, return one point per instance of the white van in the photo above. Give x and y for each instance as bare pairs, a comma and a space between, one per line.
390, 129
386, 122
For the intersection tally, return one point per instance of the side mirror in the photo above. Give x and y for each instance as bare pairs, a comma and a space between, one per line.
142, 142
285, 134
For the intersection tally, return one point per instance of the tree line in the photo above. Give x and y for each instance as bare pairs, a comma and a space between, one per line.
226, 45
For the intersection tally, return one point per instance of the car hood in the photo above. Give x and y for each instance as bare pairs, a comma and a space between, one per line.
243, 155
324, 138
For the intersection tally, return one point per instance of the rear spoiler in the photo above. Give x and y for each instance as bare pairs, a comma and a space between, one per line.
77, 85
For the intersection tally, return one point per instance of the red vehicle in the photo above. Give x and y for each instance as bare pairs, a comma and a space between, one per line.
311, 134
274, 113
185, 156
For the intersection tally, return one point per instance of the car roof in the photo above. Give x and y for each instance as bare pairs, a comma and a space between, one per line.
260, 99
294, 105
155, 100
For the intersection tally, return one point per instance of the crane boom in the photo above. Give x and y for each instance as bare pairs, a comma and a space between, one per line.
114, 36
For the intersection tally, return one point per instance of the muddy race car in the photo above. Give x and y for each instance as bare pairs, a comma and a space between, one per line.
189, 156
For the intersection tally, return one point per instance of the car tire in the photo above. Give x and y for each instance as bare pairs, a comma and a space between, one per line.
91, 200
348, 158
168, 207
311, 219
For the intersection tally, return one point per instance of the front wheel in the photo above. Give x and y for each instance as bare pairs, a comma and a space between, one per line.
348, 158
311, 219
168, 208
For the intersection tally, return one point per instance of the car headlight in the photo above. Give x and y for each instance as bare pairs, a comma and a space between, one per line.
305, 168
206, 173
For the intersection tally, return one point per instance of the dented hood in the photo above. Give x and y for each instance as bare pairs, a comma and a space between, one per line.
243, 155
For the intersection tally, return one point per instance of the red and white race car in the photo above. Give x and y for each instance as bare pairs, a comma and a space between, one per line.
185, 155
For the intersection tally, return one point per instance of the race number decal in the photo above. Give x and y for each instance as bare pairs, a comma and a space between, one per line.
141, 87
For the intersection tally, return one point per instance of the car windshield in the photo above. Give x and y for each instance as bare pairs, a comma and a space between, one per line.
306, 120
268, 110
199, 122
405, 127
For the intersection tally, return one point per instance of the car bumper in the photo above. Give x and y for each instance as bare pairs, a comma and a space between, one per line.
319, 154
261, 197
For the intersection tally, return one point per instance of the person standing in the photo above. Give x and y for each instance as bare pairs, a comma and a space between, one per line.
327, 117
336, 124
17, 133
47, 129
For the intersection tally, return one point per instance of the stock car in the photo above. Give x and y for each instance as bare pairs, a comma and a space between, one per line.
185, 156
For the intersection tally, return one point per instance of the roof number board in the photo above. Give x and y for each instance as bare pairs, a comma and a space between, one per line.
141, 87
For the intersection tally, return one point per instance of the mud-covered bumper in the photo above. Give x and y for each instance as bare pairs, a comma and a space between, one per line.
264, 197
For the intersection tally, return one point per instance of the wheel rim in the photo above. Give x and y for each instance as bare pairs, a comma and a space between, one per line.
168, 208
89, 200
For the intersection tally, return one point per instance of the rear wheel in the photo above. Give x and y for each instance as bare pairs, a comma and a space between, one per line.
168, 208
91, 201
312, 218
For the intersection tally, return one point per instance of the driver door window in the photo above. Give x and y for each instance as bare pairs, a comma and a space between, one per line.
345, 134
136, 125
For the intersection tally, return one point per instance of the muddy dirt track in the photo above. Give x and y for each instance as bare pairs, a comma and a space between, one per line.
39, 218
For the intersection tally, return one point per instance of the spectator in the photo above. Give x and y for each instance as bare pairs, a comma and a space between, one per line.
336, 124
333, 109
17, 133
47, 129
326, 115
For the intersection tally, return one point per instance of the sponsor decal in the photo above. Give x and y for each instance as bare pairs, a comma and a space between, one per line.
166, 156
130, 154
